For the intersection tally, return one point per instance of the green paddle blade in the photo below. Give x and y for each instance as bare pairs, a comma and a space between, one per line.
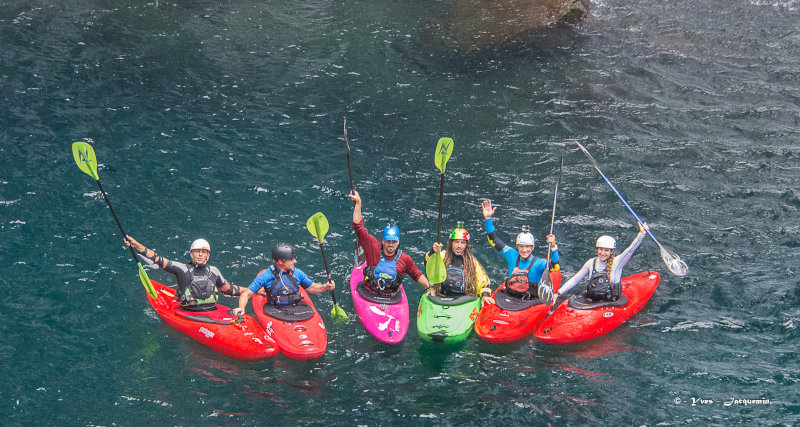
338, 313
317, 225
444, 149
435, 269
148, 286
85, 158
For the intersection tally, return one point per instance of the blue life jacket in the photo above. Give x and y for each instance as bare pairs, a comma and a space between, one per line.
384, 275
284, 289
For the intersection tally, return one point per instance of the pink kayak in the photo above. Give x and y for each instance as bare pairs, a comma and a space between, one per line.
385, 317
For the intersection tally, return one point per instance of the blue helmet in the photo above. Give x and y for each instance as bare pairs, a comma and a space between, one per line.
391, 232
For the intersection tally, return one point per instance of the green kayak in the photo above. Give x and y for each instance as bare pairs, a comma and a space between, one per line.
445, 319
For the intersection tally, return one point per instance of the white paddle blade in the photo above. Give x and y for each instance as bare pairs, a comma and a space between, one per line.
545, 292
674, 262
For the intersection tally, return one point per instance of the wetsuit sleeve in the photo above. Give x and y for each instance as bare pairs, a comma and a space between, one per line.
261, 281
302, 278
371, 245
219, 281
493, 239
580, 275
176, 268
623, 258
408, 267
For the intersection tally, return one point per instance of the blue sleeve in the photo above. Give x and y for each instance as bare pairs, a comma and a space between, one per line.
261, 281
554, 257
302, 278
493, 240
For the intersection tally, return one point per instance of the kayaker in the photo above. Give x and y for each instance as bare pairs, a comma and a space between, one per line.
524, 269
197, 281
281, 282
465, 275
605, 270
386, 264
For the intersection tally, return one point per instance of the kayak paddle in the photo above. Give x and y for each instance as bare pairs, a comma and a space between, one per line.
546, 284
674, 263
317, 225
436, 270
349, 168
87, 162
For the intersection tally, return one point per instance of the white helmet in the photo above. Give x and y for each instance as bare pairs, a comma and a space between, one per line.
200, 244
606, 242
526, 238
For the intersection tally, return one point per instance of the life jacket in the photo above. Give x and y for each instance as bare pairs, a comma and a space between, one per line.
284, 289
456, 283
518, 284
384, 277
600, 287
202, 289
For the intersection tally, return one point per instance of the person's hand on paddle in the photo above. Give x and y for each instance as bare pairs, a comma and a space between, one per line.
551, 239
437, 247
643, 227
131, 242
355, 197
318, 288
488, 209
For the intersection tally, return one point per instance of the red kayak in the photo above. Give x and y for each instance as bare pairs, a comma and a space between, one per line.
510, 318
298, 329
579, 319
237, 337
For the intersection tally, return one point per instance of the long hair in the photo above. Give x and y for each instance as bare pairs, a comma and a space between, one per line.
469, 268
609, 264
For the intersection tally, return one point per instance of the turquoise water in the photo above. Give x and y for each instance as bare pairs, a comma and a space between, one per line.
224, 121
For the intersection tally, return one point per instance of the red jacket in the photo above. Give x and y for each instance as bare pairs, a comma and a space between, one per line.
372, 248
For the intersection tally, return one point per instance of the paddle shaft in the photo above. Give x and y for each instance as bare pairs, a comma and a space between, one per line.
555, 196
327, 270
349, 167
441, 196
105, 197
597, 168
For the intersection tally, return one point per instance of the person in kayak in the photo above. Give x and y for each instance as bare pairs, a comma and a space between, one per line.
281, 282
386, 265
465, 275
197, 281
524, 269
605, 270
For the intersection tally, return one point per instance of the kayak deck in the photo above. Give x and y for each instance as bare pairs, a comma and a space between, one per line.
568, 325
300, 340
388, 323
446, 320
244, 341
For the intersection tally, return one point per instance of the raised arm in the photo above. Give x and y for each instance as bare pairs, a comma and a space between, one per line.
356, 198
147, 253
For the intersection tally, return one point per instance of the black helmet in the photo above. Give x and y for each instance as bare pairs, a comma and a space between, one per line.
282, 252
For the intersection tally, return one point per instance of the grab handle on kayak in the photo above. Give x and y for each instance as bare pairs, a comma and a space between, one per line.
239, 317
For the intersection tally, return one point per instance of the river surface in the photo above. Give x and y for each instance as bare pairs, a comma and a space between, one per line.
224, 120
